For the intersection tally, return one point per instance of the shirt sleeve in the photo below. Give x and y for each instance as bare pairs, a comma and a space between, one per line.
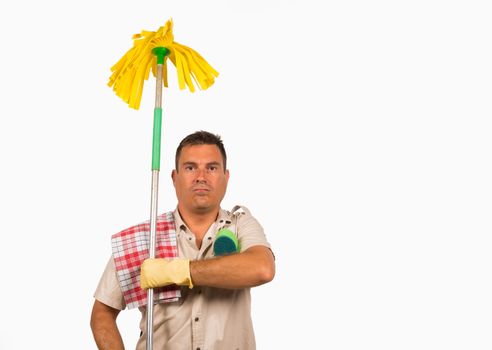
249, 232
109, 291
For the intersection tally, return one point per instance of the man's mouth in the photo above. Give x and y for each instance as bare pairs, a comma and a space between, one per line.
200, 190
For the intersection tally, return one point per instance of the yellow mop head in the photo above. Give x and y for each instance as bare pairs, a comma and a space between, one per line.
134, 67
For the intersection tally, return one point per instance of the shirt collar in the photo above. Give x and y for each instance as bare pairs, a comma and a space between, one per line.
222, 219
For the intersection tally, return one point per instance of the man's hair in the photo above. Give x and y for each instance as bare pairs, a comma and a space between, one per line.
201, 138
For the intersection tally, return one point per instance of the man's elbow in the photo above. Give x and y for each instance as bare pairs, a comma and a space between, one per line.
267, 275
267, 272
264, 270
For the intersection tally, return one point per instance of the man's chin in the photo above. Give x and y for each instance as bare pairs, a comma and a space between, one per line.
204, 207
201, 204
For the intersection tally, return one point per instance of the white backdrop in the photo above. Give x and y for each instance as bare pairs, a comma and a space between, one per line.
358, 134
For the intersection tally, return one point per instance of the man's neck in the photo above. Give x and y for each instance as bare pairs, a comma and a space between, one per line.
198, 222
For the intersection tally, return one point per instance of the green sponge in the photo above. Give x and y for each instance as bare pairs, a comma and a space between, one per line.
225, 243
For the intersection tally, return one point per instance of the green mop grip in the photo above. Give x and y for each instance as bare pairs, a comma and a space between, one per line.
156, 141
160, 52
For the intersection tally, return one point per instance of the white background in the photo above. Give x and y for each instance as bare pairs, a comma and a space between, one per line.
358, 134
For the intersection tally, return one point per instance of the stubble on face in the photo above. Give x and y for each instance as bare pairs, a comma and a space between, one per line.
200, 180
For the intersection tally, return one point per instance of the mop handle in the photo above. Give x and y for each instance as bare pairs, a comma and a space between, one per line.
160, 52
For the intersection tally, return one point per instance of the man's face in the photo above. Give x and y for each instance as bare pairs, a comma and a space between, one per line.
200, 180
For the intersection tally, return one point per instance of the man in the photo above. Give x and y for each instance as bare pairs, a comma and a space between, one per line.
213, 311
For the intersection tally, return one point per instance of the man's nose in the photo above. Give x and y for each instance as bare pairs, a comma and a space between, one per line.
200, 175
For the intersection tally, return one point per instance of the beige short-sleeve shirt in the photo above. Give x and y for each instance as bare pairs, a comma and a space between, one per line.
204, 318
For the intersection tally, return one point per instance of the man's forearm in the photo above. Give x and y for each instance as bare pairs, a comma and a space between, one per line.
104, 328
108, 337
251, 268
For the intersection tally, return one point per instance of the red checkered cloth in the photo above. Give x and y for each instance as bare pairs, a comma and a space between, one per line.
131, 247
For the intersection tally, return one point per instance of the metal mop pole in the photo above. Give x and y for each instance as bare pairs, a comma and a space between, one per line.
160, 52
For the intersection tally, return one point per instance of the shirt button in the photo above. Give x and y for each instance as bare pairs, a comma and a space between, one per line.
196, 319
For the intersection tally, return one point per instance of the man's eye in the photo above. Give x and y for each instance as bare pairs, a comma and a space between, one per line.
212, 168
189, 168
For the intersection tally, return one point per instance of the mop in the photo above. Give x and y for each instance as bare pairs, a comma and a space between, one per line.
151, 51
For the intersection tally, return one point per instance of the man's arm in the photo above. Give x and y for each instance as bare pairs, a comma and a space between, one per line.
104, 328
250, 268
253, 267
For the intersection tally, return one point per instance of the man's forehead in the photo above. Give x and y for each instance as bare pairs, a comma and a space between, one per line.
200, 154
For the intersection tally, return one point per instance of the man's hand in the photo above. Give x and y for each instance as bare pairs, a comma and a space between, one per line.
161, 272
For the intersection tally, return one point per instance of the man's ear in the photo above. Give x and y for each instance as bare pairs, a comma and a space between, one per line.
173, 175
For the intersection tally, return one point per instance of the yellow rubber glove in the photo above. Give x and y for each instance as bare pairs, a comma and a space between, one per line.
161, 272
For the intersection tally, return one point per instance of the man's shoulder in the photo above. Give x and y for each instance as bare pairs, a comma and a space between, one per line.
240, 215
238, 210
165, 221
